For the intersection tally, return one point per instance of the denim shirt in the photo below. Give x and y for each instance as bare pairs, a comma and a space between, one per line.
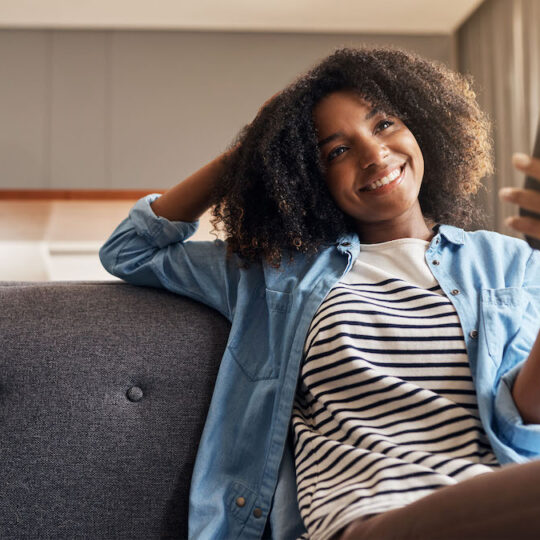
244, 472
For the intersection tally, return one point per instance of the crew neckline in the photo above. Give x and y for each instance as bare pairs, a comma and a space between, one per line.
393, 243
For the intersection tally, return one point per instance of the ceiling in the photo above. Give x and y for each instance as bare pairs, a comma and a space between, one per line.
329, 16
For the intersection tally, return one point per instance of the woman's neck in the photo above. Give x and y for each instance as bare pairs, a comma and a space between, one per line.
415, 227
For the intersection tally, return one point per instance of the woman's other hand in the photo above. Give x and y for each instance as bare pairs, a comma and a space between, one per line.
526, 198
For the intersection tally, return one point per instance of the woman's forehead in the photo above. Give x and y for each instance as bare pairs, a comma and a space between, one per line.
344, 104
354, 97
349, 101
345, 93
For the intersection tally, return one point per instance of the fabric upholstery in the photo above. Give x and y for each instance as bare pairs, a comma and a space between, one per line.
104, 390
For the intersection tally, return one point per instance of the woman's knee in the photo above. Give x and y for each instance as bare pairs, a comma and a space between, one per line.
359, 529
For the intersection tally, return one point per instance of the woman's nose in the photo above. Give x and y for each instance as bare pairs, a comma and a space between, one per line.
371, 152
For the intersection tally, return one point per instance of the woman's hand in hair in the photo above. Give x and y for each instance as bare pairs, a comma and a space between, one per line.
528, 199
267, 102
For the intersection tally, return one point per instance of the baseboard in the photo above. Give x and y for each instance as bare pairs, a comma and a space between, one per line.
75, 194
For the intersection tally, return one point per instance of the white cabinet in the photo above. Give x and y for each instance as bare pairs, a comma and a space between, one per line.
66, 261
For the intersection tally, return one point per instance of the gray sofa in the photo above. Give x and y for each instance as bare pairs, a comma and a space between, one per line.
104, 390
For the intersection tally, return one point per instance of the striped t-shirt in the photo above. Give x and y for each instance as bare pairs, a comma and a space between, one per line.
385, 411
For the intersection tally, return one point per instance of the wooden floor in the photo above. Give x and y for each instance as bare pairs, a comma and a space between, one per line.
42, 240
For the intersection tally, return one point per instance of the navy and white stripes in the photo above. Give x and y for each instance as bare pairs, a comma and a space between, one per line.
385, 410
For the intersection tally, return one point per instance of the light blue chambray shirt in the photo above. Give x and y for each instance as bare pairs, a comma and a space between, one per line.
492, 280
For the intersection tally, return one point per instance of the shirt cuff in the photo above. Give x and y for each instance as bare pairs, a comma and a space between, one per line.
157, 230
512, 427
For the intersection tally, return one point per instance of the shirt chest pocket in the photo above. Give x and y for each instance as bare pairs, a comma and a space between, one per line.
256, 337
510, 318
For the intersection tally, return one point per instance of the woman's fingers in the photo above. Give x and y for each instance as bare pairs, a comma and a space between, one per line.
527, 164
525, 225
526, 198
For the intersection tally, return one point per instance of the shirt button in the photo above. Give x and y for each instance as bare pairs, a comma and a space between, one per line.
436, 262
473, 334
257, 512
240, 501
455, 292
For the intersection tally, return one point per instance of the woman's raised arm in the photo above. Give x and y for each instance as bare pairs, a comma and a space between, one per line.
189, 199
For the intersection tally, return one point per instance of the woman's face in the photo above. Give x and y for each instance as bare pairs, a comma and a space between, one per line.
373, 164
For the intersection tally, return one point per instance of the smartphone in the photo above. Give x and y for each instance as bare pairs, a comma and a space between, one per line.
533, 183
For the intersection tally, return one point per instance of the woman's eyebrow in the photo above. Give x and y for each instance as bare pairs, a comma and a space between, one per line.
369, 116
329, 139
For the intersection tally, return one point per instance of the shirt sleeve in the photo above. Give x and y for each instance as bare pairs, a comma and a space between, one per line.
150, 250
524, 438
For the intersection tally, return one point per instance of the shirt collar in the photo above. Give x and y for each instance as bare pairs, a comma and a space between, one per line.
451, 233
349, 238
455, 235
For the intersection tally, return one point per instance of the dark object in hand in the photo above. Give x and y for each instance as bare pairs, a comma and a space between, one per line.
533, 183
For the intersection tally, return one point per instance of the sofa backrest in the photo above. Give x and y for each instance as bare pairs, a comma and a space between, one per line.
104, 390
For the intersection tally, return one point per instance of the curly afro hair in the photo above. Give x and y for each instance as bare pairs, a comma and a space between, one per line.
272, 197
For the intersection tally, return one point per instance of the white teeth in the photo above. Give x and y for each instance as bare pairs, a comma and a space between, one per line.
383, 181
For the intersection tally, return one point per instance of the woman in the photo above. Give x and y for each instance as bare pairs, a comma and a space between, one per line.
393, 347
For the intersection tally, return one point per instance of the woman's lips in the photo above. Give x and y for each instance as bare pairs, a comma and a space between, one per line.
388, 187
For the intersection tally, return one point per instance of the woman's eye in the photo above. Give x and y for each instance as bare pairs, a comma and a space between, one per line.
336, 152
384, 124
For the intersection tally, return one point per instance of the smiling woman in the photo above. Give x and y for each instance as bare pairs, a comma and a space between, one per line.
367, 389
373, 168
276, 191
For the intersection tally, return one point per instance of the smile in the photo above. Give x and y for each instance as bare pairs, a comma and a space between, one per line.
385, 184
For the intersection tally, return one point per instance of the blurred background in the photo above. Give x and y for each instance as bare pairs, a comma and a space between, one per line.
103, 102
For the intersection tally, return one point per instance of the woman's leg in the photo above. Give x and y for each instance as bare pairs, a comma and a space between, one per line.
504, 504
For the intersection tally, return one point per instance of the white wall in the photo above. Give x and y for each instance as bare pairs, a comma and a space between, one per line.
142, 110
